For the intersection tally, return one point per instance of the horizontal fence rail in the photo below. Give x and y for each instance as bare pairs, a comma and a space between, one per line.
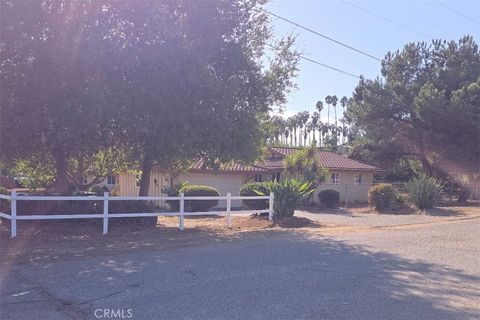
14, 217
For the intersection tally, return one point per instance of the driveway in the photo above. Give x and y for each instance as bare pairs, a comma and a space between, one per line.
423, 272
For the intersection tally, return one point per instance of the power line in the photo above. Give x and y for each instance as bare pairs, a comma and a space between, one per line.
330, 67
323, 64
387, 19
457, 12
321, 35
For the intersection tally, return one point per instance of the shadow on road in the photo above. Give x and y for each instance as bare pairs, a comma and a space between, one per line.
264, 275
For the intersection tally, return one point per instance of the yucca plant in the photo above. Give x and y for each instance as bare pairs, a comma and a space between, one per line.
289, 194
425, 191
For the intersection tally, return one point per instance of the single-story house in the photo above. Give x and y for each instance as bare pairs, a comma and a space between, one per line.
350, 178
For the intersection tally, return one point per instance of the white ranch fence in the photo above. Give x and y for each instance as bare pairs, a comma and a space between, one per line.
14, 217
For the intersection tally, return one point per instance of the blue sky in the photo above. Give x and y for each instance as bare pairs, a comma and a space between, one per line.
352, 26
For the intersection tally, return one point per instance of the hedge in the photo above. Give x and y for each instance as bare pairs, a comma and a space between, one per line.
199, 191
253, 189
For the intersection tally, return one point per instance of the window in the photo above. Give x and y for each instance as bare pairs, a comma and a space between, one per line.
335, 179
258, 178
358, 179
111, 179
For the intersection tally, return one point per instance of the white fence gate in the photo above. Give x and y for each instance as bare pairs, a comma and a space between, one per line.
14, 217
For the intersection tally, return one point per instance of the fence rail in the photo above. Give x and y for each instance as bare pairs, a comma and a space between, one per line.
14, 217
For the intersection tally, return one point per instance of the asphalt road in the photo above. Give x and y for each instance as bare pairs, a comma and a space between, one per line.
424, 272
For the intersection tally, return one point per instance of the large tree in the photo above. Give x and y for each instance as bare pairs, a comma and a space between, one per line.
168, 81
52, 77
196, 83
426, 106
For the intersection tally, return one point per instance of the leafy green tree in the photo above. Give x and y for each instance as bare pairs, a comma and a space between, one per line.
55, 58
167, 81
33, 173
426, 106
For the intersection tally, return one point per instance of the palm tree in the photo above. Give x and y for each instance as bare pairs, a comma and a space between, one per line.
296, 123
306, 133
276, 130
343, 102
291, 127
325, 129
314, 123
281, 128
304, 116
328, 100
334, 103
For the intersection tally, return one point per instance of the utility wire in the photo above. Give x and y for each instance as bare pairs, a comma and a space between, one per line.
323, 64
330, 67
321, 35
386, 19
457, 12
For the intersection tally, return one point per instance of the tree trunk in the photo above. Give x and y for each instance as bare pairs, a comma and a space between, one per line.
427, 167
145, 178
61, 177
81, 173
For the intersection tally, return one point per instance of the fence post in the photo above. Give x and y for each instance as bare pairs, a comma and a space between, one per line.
13, 214
105, 212
346, 196
270, 206
182, 210
229, 208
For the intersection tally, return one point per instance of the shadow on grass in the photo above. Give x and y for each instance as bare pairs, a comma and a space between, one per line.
267, 275
443, 212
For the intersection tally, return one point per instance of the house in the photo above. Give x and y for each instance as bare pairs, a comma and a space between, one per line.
350, 178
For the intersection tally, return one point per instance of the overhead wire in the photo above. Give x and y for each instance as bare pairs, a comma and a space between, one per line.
398, 24
321, 35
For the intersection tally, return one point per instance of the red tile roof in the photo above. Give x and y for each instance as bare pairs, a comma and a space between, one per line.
329, 160
231, 167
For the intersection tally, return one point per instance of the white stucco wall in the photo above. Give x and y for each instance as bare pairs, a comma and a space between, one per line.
223, 182
346, 186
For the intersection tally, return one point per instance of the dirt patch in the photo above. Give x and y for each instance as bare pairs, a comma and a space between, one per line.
297, 222
218, 223
40, 241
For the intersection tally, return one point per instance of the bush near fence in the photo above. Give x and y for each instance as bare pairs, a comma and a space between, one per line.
199, 191
254, 189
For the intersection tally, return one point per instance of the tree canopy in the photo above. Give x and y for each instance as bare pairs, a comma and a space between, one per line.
162, 81
426, 106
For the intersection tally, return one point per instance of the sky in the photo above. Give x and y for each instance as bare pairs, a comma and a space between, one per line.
424, 21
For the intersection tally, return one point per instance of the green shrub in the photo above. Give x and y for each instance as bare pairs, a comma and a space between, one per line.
289, 194
384, 196
329, 198
199, 191
254, 189
174, 191
425, 191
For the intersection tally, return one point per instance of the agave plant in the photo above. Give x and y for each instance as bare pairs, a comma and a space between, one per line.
289, 194
425, 191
